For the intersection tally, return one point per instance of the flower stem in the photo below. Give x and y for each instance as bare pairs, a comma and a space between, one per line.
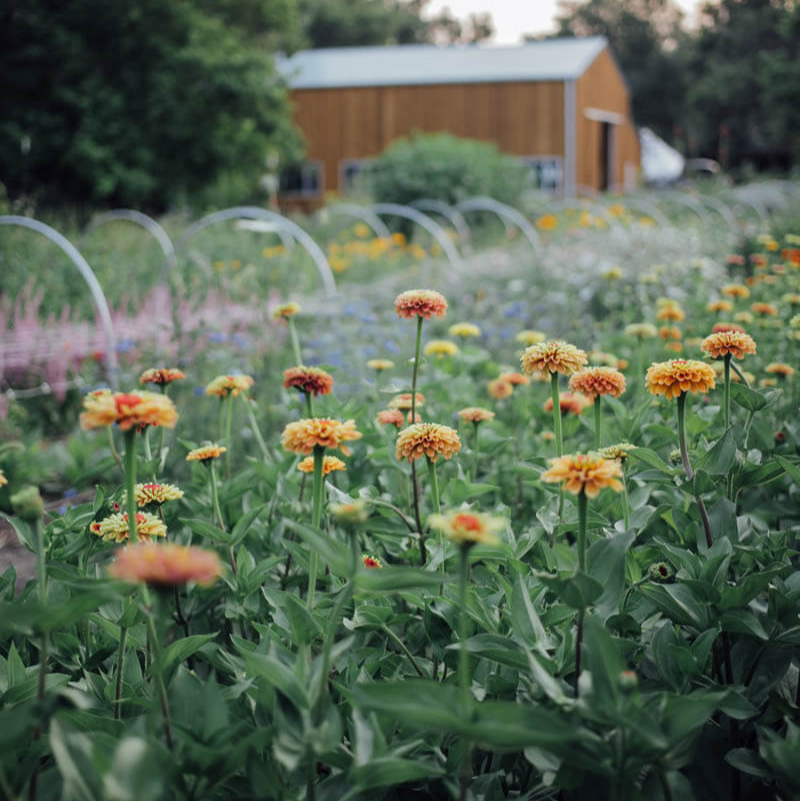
687, 467
157, 665
130, 483
626, 503
415, 488
228, 443
113, 449
436, 506
476, 448
404, 648
295, 341
123, 637
217, 510
162, 435
414, 372
597, 422
583, 508
463, 666
316, 517
257, 431
309, 405
559, 435
726, 405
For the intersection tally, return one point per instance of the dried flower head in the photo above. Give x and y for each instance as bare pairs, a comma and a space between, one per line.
423, 303
515, 379
588, 473
529, 337
475, 414
440, 347
735, 343
553, 356
205, 453
403, 401
380, 364
310, 380
500, 388
679, 375
464, 330
427, 439
166, 565
594, 381
641, 330
233, 385
114, 528
736, 291
285, 310
620, 451
161, 375
469, 528
128, 410
156, 494
329, 464
568, 403
764, 309
779, 369
302, 436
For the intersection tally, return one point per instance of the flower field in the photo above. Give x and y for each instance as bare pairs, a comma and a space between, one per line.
528, 531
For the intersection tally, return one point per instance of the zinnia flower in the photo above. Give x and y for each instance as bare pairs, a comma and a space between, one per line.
601, 358
161, 375
233, 385
427, 439
515, 379
500, 388
676, 347
743, 317
671, 312
719, 328
349, 514
529, 337
553, 356
310, 380
679, 375
423, 303
641, 330
764, 309
380, 364
302, 436
736, 291
620, 451
395, 417
285, 310
166, 565
669, 332
735, 343
372, 562
205, 453
568, 403
115, 527
127, 409
587, 473
469, 527
475, 414
440, 347
720, 306
403, 401
594, 381
464, 330
779, 368
329, 464
792, 298
147, 494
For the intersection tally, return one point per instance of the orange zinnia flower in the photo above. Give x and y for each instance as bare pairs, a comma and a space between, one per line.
395, 417
310, 380
475, 414
423, 303
515, 379
329, 464
568, 402
285, 310
166, 565
161, 375
302, 436
127, 409
765, 309
553, 356
205, 453
500, 388
736, 291
719, 328
468, 527
669, 332
427, 439
720, 306
587, 473
233, 385
594, 381
779, 368
735, 343
671, 312
679, 375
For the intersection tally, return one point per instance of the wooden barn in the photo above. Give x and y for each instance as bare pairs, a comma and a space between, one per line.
560, 105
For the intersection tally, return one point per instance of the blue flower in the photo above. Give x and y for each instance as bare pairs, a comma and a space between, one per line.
391, 347
217, 336
124, 345
70, 493
199, 390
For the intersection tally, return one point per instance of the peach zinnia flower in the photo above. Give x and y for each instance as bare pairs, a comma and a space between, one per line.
765, 309
779, 368
440, 347
675, 347
115, 527
475, 414
205, 453
515, 379
500, 388
669, 332
553, 356
329, 464
128, 409
166, 565
395, 417
671, 312
233, 385
736, 291
594, 381
568, 402
302, 436
468, 527
427, 439
423, 303
285, 310
380, 364
641, 330
161, 375
529, 337
720, 306
588, 473
403, 401
147, 494
719, 328
735, 343
679, 375
310, 380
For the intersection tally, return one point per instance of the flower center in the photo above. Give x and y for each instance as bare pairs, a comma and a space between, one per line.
125, 402
467, 522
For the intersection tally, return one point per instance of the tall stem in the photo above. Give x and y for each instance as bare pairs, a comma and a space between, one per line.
404, 648
464, 681
257, 431
217, 510
437, 507
626, 503
123, 637
228, 443
130, 483
414, 372
597, 422
583, 508
726, 404
687, 467
295, 341
113, 449
157, 665
316, 518
309, 405
415, 489
162, 434
559, 436
476, 447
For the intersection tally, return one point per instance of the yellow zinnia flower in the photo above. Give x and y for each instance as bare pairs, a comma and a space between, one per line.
679, 375
464, 330
553, 356
440, 347
427, 439
588, 473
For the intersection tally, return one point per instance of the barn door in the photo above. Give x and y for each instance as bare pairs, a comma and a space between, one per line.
604, 154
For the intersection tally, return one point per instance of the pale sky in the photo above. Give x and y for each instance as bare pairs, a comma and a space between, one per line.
513, 18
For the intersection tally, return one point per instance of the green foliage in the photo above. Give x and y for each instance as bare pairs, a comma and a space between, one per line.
445, 167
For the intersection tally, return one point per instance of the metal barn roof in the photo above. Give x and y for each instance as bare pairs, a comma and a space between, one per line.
412, 65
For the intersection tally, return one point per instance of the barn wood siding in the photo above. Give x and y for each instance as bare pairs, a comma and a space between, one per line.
526, 119
602, 87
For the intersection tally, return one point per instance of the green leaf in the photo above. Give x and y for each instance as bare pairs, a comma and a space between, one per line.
135, 773
391, 771
748, 398
678, 603
744, 621
73, 752
527, 626
175, 653
606, 562
603, 661
333, 553
244, 523
718, 459
277, 675
393, 579
651, 458
790, 467
577, 590
207, 531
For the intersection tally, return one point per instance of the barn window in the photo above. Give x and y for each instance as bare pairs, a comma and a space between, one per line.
302, 179
546, 172
353, 174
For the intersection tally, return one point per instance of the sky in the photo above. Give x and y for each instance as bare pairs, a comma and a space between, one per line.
513, 18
